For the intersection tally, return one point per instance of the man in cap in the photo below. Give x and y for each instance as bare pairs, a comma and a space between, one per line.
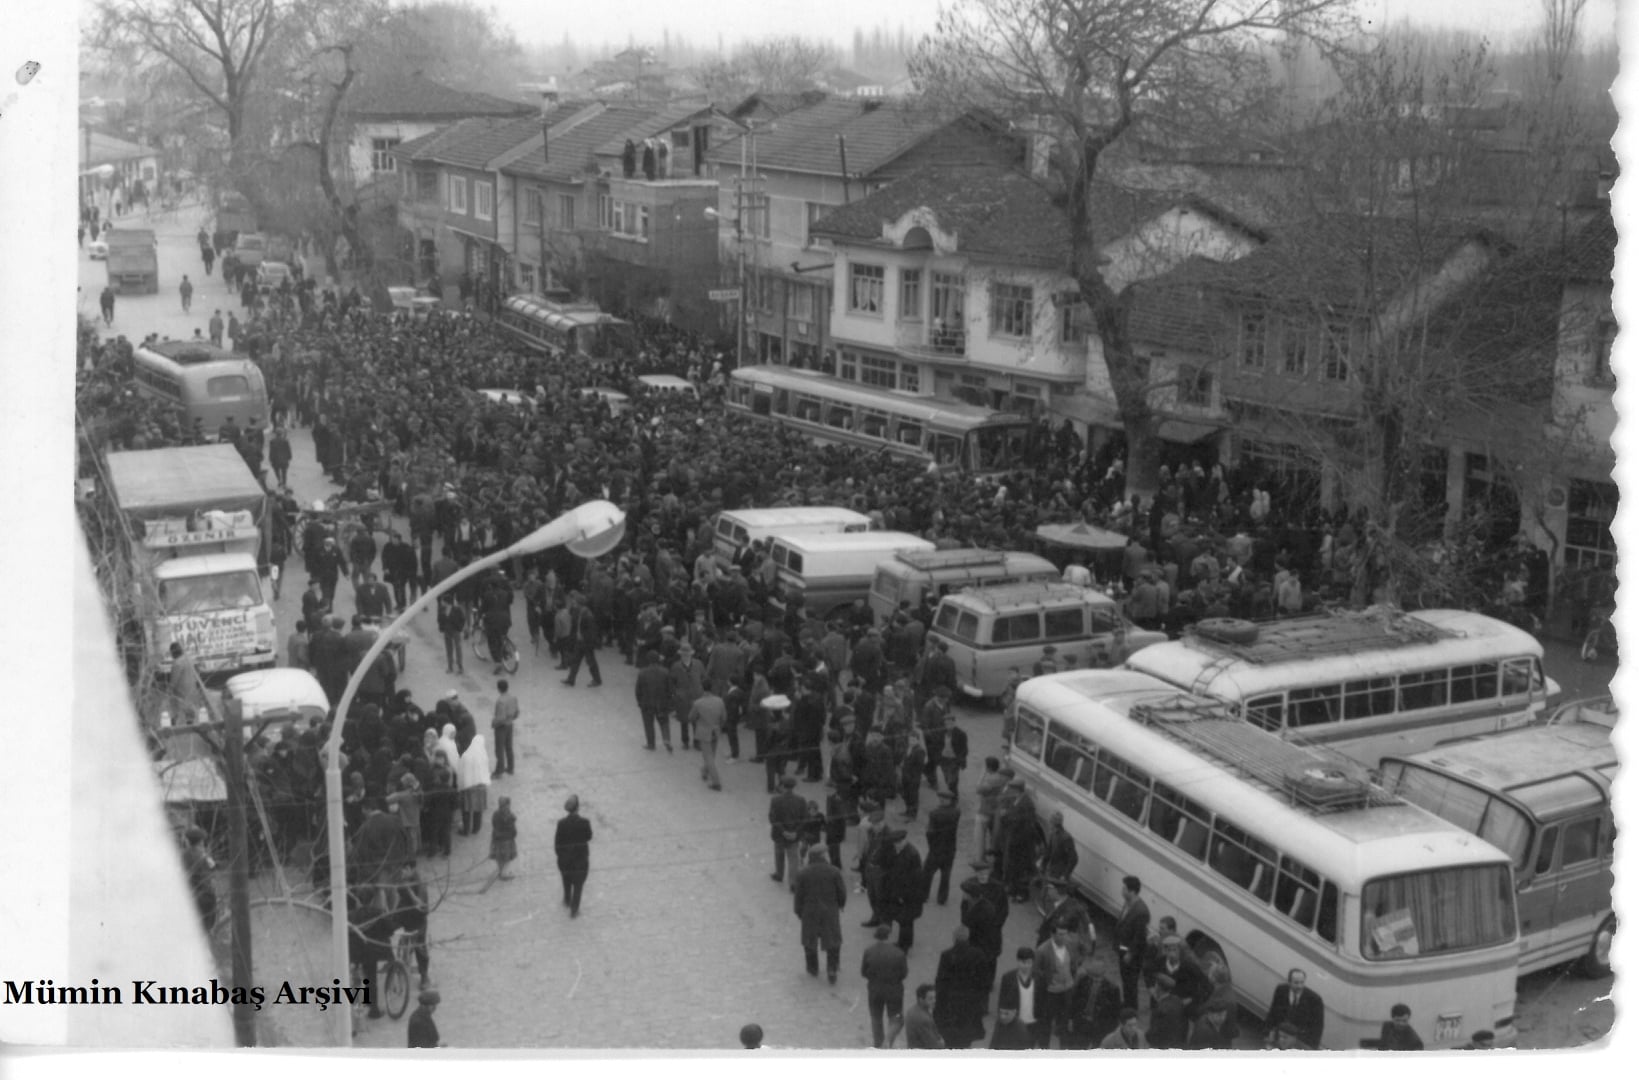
943, 822
707, 716
818, 900
654, 699
964, 991
1190, 983
687, 680
884, 969
904, 889
1064, 909
423, 1033
989, 790
1016, 839
786, 813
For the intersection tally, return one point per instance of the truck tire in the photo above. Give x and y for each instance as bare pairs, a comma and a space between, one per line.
1597, 963
1229, 631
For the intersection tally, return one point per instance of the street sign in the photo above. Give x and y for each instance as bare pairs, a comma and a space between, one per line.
723, 294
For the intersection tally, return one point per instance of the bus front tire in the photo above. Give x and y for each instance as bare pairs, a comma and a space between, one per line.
1597, 963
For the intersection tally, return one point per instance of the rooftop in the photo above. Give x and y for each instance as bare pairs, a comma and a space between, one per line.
805, 139
413, 96
571, 153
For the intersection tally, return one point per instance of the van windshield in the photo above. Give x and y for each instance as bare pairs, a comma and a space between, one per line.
1464, 805
190, 596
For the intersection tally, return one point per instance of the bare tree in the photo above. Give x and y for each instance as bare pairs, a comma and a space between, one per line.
1558, 40
1093, 75
786, 63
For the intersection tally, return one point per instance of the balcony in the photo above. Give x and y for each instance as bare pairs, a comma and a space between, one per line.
915, 339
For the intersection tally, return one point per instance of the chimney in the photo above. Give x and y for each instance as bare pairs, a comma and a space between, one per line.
549, 101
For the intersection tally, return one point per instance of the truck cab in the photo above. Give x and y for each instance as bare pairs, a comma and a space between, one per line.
211, 602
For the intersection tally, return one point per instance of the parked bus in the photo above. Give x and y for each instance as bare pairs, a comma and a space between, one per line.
567, 328
948, 434
1368, 683
1542, 795
1285, 855
208, 383
732, 530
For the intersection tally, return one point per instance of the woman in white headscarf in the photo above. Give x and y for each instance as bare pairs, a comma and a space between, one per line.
446, 743
473, 775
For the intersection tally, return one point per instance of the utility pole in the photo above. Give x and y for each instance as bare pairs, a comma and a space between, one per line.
233, 756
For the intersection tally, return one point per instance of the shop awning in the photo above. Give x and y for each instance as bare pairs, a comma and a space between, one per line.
1183, 431
1081, 535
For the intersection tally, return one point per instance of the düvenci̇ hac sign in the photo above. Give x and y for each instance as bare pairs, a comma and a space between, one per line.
215, 633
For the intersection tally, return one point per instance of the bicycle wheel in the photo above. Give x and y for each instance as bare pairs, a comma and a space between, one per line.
509, 658
480, 646
395, 988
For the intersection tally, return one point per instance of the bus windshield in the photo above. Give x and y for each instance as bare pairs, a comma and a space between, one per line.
609, 341
1464, 805
1436, 911
189, 596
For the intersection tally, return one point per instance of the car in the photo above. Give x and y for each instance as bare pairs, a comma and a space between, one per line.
406, 298
250, 249
98, 249
270, 275
515, 398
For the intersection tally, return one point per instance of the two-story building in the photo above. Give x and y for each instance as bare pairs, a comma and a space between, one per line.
953, 283
790, 169
384, 111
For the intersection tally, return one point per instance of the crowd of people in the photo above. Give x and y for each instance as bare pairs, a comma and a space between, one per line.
395, 419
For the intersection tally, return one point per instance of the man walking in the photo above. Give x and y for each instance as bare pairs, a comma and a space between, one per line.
215, 330
654, 696
904, 889
186, 289
964, 991
786, 813
884, 969
505, 719
452, 623
818, 901
943, 823
573, 844
278, 456
108, 305
706, 716
584, 641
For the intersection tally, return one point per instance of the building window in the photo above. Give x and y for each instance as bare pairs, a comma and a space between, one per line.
910, 295
1604, 338
948, 332
642, 214
755, 215
532, 206
1295, 349
381, 155
874, 371
1589, 513
458, 194
1194, 386
848, 365
762, 287
1334, 351
1254, 339
1073, 316
800, 301
566, 212
815, 211
618, 222
606, 212
865, 288
1012, 310
426, 185
526, 277
910, 378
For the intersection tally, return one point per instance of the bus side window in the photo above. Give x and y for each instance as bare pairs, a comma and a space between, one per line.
1517, 677
1027, 734
1326, 922
1265, 711
1122, 785
1545, 849
1473, 682
1423, 689
1368, 697
1316, 705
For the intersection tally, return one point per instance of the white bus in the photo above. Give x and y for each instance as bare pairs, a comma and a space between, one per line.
1367, 683
567, 328
1542, 795
947, 434
208, 383
1285, 855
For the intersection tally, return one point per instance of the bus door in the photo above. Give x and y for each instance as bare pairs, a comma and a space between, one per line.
1581, 876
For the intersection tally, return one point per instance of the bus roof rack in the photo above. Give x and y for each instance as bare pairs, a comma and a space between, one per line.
1327, 633
950, 558
1316, 778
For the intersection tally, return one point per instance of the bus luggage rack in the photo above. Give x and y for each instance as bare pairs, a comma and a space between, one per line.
1328, 634
949, 559
1319, 779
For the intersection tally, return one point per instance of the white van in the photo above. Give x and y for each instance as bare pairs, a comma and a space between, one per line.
272, 696
732, 530
619, 404
667, 385
991, 631
832, 570
910, 575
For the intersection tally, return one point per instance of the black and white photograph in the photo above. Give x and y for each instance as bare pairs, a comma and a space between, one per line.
678, 528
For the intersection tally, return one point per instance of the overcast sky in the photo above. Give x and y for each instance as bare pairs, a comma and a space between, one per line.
703, 20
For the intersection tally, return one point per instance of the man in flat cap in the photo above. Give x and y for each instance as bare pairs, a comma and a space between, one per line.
786, 813
904, 890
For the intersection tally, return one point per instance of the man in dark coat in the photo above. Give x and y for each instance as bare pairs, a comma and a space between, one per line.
786, 813
943, 822
585, 635
1016, 840
399, 570
1020, 1004
654, 700
903, 888
963, 990
1296, 1004
984, 913
884, 969
278, 455
818, 901
1095, 1005
327, 652
1132, 934
572, 841
328, 565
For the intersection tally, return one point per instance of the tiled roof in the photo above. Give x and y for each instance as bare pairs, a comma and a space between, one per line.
777, 103
998, 213
805, 140
416, 97
1177, 308
476, 142
656, 124
569, 155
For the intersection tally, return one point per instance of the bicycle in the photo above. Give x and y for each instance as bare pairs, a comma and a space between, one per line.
509, 651
395, 982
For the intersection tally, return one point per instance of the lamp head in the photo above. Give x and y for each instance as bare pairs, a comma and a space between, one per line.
589, 530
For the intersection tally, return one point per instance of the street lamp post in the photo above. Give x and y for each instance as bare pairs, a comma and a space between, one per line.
589, 530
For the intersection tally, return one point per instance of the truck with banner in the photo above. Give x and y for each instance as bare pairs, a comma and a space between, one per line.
197, 532
133, 261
